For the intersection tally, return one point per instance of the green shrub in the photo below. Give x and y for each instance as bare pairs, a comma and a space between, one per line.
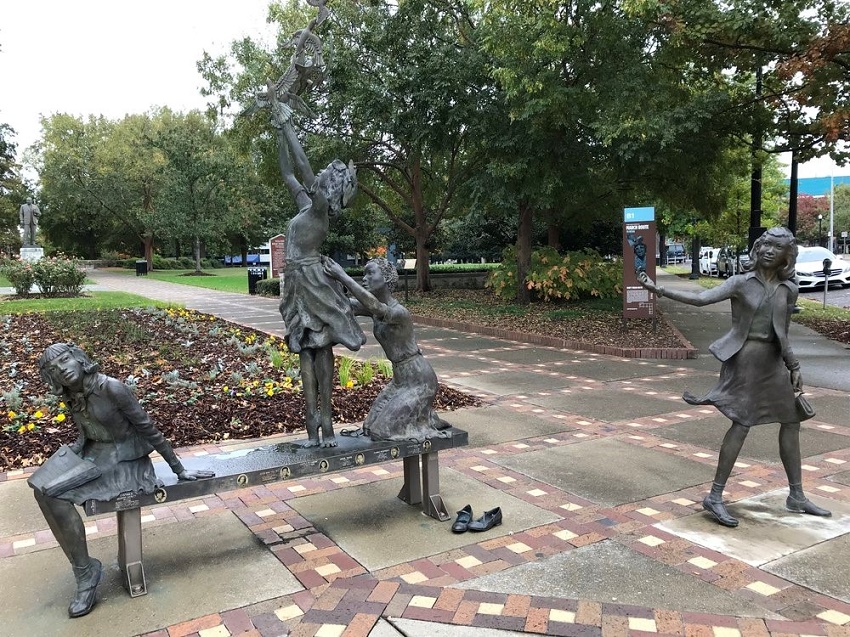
20, 274
268, 287
572, 276
53, 276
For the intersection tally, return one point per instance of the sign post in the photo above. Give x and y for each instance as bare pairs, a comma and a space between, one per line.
639, 240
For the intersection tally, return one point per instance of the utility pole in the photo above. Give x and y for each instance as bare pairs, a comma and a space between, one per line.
756, 229
792, 198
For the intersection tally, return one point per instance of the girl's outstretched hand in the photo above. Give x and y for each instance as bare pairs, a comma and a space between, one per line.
646, 282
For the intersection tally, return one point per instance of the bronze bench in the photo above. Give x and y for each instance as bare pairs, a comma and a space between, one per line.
274, 463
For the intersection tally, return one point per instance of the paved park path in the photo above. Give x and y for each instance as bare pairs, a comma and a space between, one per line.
596, 462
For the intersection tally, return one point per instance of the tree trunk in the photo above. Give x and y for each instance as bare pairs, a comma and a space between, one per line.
197, 253
423, 266
147, 241
421, 228
553, 232
523, 251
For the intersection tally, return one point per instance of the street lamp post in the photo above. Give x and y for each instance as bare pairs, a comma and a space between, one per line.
820, 232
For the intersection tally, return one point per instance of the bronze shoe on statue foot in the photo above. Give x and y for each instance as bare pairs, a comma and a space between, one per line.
805, 505
719, 512
87, 580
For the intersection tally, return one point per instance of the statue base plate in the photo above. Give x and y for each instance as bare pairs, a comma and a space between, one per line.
32, 253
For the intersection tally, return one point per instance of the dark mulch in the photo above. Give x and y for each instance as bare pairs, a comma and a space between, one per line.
196, 376
595, 322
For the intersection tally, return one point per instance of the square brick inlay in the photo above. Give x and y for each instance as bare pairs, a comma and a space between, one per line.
328, 569
490, 609
468, 562
518, 547
683, 502
651, 540
702, 562
834, 617
645, 625
331, 630
414, 578
723, 631
763, 589
564, 616
422, 601
565, 535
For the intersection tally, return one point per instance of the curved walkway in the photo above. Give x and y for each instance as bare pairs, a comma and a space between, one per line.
597, 464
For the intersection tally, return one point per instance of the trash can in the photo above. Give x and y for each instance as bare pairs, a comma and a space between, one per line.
141, 267
254, 275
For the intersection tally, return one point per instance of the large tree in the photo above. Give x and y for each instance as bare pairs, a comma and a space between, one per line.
207, 189
402, 93
12, 191
99, 181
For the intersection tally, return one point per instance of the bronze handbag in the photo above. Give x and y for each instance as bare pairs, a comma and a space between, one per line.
804, 408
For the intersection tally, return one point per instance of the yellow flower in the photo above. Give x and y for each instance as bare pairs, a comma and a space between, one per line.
12, 415
270, 392
349, 384
21, 429
225, 388
61, 405
38, 414
31, 426
60, 418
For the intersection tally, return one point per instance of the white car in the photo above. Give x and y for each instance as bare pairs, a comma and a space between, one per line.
810, 268
708, 261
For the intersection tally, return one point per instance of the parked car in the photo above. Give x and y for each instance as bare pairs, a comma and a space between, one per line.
676, 253
810, 268
729, 263
708, 260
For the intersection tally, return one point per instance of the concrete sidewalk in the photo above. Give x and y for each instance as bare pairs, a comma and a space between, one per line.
599, 468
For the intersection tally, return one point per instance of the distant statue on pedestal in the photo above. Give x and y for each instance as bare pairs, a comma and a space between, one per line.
28, 218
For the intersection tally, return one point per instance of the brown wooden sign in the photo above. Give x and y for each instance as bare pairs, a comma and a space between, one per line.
277, 254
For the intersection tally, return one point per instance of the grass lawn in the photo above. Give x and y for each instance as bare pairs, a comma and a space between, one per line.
92, 301
223, 279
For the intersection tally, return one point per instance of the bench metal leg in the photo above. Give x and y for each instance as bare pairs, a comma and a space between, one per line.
411, 490
130, 551
432, 503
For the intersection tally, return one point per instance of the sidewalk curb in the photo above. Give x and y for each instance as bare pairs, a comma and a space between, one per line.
679, 353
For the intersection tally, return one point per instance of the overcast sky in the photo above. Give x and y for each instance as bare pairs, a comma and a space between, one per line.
104, 57
112, 58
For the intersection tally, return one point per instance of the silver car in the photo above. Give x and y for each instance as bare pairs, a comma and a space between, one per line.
729, 263
810, 268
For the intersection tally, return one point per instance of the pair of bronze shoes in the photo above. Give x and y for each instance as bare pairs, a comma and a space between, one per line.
464, 521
